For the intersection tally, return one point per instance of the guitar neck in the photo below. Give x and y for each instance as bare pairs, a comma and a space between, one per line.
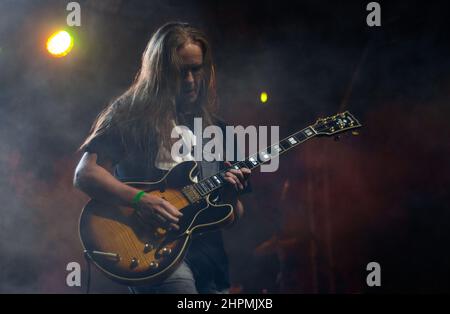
217, 181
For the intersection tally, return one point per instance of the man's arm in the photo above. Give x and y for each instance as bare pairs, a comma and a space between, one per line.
239, 209
94, 176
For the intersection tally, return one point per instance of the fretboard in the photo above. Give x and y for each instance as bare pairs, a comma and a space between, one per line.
217, 181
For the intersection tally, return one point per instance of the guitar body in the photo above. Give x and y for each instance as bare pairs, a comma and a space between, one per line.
131, 251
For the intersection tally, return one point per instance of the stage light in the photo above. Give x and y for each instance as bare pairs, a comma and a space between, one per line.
264, 97
60, 44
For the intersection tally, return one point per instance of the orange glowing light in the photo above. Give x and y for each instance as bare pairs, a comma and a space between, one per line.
60, 44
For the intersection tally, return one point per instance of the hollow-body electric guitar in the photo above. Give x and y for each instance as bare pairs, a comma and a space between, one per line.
132, 251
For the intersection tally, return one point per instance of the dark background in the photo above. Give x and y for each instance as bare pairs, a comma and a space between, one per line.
310, 227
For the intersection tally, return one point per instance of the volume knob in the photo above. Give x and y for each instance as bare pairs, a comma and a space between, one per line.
134, 262
165, 251
148, 247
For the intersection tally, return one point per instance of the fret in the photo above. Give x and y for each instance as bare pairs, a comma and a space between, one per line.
222, 175
204, 186
236, 166
301, 136
292, 140
200, 189
210, 184
309, 132
296, 138
248, 164
264, 156
281, 148
213, 182
275, 150
253, 161
286, 144
216, 181
305, 134
242, 164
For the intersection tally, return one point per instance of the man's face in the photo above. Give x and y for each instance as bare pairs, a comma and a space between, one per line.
191, 56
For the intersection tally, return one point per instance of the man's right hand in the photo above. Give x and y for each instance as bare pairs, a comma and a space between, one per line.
98, 181
158, 209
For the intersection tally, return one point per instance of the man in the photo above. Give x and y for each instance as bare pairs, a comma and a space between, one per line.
131, 140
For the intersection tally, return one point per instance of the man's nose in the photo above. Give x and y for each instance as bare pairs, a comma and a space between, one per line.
189, 77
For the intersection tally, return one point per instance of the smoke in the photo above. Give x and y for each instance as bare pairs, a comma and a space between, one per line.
42, 100
377, 197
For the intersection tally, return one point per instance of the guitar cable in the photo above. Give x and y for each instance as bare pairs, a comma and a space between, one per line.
88, 262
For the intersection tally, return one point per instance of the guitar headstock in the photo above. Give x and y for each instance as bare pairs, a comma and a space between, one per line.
338, 123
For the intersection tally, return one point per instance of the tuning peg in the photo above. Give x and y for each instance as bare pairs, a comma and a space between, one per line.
355, 133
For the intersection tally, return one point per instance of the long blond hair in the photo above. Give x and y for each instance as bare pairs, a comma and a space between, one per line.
143, 115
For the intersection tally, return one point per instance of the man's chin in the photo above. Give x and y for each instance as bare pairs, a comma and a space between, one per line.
193, 99
190, 99
189, 102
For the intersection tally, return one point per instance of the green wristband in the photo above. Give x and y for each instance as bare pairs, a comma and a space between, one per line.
138, 197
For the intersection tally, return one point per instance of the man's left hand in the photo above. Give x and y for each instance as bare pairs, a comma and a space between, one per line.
238, 181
